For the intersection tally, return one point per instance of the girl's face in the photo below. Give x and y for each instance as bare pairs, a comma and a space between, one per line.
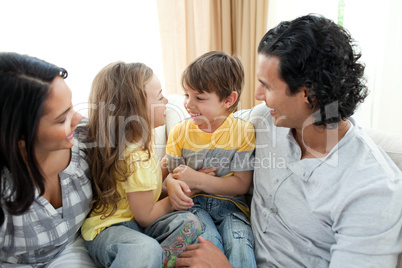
156, 102
58, 121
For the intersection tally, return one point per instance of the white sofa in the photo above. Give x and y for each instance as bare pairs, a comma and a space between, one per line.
391, 143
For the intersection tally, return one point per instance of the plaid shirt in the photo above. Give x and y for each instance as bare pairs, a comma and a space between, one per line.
39, 234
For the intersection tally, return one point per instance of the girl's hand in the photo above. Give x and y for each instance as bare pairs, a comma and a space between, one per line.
177, 194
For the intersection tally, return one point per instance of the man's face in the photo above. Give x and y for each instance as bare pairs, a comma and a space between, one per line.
287, 110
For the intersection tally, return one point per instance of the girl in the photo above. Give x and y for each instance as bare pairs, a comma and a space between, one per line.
44, 188
129, 226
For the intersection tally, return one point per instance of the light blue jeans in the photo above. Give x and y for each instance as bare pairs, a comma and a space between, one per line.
126, 244
228, 228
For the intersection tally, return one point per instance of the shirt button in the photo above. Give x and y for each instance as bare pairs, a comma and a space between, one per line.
273, 210
276, 180
270, 196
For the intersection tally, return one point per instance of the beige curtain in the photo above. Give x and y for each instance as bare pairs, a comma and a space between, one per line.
190, 28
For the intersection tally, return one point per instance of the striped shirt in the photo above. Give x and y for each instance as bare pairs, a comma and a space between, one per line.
38, 235
230, 148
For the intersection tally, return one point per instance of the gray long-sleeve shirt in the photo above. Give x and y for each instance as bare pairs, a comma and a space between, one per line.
343, 210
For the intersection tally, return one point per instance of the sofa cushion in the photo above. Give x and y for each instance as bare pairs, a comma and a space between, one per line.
391, 143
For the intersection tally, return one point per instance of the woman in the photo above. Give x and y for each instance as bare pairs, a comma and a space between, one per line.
44, 188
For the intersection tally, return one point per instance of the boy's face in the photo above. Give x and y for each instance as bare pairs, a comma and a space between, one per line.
207, 111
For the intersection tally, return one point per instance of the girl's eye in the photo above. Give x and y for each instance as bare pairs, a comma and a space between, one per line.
198, 98
63, 121
186, 95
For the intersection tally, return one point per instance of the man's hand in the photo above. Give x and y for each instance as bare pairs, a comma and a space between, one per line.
205, 254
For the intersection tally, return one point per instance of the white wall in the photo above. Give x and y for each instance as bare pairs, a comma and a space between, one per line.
82, 36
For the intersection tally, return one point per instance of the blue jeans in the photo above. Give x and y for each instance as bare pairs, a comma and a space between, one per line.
127, 244
228, 228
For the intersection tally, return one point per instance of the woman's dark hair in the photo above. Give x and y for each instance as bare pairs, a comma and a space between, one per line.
319, 55
24, 87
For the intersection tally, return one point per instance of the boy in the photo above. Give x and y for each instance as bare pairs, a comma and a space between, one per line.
214, 137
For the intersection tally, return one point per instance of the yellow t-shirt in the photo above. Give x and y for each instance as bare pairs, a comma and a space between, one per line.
230, 148
147, 176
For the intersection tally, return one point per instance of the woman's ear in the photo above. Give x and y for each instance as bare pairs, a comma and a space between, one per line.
21, 143
231, 99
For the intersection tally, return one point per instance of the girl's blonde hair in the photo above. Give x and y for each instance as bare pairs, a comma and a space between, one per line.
119, 117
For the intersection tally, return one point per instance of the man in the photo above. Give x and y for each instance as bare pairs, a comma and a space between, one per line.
324, 193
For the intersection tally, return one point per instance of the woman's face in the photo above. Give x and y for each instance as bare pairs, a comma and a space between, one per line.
58, 121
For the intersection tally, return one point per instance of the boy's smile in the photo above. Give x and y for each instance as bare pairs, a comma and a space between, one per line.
207, 111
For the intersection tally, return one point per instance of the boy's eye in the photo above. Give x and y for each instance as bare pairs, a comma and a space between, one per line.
198, 98
186, 95
62, 122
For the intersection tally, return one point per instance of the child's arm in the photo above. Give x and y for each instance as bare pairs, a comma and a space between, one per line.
165, 173
237, 184
179, 193
164, 168
145, 210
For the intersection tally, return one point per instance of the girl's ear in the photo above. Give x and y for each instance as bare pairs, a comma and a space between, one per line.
230, 100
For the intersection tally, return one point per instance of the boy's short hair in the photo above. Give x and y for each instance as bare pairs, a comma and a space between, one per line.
215, 72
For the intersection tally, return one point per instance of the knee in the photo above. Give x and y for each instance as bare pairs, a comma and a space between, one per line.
147, 251
191, 223
237, 228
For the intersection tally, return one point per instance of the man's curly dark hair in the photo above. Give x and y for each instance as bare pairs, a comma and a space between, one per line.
316, 53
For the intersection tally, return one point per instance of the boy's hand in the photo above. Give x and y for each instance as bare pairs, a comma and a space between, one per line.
190, 176
185, 174
177, 194
209, 171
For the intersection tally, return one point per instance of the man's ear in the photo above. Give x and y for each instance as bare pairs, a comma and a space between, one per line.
230, 100
306, 94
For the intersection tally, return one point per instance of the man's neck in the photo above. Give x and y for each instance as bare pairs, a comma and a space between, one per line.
318, 141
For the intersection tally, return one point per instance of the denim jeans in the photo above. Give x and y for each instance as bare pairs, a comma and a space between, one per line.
228, 228
127, 244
